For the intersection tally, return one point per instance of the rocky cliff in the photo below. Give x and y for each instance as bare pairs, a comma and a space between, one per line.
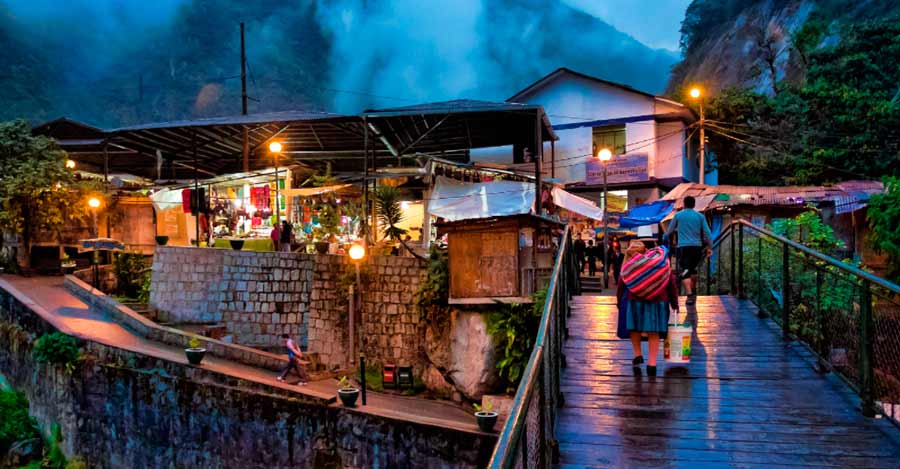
757, 44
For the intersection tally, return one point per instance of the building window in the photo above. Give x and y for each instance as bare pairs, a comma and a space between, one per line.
610, 136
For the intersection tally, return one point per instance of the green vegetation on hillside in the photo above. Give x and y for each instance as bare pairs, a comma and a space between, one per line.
842, 122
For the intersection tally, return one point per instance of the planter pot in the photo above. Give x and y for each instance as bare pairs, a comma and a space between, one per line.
161, 240
486, 421
236, 244
195, 355
322, 247
68, 269
348, 396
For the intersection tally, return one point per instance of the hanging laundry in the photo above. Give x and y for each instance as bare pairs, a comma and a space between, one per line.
186, 200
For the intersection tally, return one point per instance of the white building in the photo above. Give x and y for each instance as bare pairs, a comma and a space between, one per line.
648, 135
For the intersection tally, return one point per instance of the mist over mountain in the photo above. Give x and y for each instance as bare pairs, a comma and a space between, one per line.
113, 63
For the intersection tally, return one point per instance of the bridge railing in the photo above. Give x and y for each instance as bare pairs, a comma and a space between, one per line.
528, 438
849, 318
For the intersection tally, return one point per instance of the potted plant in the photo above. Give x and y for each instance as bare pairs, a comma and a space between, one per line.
486, 418
67, 264
347, 392
161, 240
194, 351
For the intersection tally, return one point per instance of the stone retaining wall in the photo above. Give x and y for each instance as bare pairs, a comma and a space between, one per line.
122, 409
260, 295
257, 295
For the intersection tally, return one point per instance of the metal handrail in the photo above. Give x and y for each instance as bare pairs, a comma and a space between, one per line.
862, 378
822, 257
504, 453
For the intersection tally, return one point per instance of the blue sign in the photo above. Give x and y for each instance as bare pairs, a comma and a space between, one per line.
621, 168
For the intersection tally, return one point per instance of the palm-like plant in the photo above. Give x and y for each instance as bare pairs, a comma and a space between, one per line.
387, 206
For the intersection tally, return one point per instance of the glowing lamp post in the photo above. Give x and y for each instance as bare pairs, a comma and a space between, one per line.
696, 94
357, 253
94, 205
605, 155
275, 149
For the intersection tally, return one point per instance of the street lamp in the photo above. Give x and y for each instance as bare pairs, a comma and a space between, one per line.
94, 204
357, 253
696, 94
605, 155
275, 149
70, 164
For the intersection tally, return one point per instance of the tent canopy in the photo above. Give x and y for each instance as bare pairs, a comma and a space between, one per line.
647, 214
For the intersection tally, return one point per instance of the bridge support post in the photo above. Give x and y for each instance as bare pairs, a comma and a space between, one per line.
731, 275
867, 355
785, 292
740, 281
759, 283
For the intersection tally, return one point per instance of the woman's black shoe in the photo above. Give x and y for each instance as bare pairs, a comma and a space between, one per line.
636, 364
651, 370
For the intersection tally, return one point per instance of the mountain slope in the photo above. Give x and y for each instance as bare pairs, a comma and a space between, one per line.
341, 55
755, 44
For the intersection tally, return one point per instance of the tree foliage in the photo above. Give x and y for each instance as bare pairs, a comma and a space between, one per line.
842, 122
16, 424
884, 223
37, 191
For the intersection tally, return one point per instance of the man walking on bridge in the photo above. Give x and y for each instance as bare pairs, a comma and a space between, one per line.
694, 240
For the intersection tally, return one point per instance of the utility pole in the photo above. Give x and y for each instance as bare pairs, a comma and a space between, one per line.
702, 147
696, 94
246, 146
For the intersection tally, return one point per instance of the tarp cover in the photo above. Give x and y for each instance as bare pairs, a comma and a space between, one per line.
165, 199
576, 204
647, 214
454, 200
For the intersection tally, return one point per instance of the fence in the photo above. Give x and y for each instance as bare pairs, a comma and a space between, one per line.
849, 318
528, 438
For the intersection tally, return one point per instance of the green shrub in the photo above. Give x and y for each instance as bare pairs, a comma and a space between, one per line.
15, 424
514, 329
130, 270
56, 348
54, 458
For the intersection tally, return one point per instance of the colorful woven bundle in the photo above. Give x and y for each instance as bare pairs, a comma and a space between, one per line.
646, 275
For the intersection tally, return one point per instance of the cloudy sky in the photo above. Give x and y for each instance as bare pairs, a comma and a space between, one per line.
653, 22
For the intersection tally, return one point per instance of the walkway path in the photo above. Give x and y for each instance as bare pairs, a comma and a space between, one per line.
745, 400
68, 313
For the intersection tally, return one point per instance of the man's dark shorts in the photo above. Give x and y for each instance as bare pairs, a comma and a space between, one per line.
689, 258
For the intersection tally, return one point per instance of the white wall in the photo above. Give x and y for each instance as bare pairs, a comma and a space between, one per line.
572, 99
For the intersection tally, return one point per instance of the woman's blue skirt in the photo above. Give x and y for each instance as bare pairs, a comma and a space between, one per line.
648, 316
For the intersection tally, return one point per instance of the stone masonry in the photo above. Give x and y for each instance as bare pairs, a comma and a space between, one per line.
121, 409
257, 296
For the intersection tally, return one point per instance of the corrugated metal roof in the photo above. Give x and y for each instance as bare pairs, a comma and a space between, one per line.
849, 195
261, 118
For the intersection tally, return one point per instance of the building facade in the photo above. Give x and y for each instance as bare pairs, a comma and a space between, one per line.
650, 137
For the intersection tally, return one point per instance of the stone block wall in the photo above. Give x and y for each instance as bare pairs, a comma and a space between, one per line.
256, 295
392, 328
387, 316
122, 409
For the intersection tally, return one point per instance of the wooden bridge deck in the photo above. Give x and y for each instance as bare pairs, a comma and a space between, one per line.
747, 399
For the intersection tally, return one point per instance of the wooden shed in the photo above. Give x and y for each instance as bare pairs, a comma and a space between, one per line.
500, 259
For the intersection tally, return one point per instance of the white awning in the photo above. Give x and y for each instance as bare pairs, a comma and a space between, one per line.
579, 205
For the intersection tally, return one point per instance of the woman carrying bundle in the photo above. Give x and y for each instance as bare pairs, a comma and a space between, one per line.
645, 293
